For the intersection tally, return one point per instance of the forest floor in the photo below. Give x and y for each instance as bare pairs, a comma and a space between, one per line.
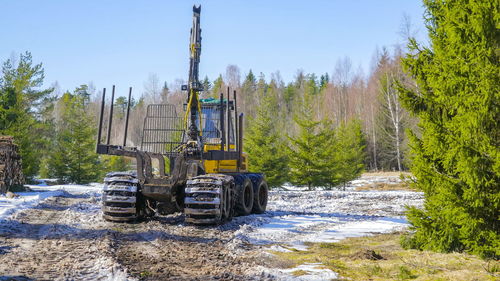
57, 233
380, 257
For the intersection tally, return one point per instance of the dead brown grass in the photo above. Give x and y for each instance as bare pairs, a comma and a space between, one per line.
386, 174
385, 187
392, 262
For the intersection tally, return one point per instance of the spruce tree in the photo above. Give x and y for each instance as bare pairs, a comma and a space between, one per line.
456, 159
73, 158
309, 159
265, 147
347, 153
207, 86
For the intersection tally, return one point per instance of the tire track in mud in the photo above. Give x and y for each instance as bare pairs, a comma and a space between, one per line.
183, 253
65, 238
41, 246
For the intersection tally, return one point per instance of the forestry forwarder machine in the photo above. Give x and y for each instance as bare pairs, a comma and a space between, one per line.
207, 180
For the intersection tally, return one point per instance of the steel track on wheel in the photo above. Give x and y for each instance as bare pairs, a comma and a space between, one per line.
119, 196
209, 199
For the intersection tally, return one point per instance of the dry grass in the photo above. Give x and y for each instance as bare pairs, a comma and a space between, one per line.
386, 260
386, 174
299, 272
386, 187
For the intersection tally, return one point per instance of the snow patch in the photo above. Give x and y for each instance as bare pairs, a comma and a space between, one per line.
24, 200
109, 270
296, 216
72, 188
313, 272
294, 230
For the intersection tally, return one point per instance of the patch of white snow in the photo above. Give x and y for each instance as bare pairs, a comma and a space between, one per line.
24, 200
313, 272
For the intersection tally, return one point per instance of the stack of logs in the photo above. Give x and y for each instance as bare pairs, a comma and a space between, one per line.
11, 173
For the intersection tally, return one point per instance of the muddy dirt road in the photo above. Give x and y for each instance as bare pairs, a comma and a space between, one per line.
64, 238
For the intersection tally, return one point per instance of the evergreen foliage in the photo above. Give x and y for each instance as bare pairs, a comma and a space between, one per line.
113, 163
265, 146
348, 153
324, 80
72, 158
322, 154
310, 161
217, 87
23, 107
456, 160
207, 86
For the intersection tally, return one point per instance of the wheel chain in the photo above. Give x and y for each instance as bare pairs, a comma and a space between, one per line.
209, 199
119, 197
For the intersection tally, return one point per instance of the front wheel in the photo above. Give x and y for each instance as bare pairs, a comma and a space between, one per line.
120, 200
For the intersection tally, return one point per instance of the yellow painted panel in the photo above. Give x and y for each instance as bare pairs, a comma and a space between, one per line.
208, 147
223, 166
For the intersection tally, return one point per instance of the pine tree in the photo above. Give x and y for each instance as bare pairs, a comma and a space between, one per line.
456, 160
73, 158
24, 106
265, 147
120, 107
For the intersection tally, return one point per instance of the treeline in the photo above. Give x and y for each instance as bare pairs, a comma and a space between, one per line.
313, 131
323, 131
55, 132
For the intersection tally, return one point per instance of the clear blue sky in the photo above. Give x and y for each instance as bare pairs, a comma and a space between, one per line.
122, 42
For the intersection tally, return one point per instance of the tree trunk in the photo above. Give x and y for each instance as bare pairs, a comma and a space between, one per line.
374, 138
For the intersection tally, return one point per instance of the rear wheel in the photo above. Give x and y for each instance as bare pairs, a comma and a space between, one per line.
260, 197
244, 203
228, 207
209, 199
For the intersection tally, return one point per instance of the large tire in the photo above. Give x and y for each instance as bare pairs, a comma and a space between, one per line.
209, 199
260, 196
120, 199
244, 203
228, 208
